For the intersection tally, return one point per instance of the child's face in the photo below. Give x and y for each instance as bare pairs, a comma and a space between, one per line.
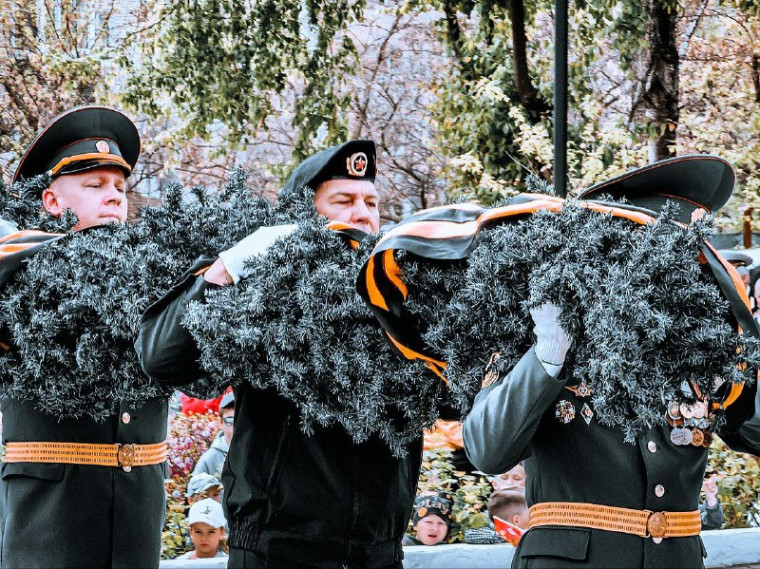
206, 539
431, 530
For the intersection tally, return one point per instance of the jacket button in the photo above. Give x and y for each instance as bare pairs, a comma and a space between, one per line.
652, 446
126, 417
659, 490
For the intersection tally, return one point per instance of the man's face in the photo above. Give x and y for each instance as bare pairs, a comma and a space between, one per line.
96, 196
511, 480
431, 530
227, 416
351, 201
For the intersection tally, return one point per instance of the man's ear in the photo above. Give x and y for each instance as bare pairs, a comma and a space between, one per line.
50, 203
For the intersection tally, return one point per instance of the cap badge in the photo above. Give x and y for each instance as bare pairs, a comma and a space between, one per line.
206, 511
357, 164
103, 147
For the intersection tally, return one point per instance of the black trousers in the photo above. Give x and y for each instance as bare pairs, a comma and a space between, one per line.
244, 559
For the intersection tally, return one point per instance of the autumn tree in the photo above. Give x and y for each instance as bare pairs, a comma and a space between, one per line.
53, 56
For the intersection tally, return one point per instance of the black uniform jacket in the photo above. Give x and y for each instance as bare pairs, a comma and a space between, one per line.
319, 499
584, 461
69, 515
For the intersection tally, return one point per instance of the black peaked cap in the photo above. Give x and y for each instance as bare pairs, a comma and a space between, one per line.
691, 181
81, 139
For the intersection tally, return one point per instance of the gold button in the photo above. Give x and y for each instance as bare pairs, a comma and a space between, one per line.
659, 490
126, 417
652, 446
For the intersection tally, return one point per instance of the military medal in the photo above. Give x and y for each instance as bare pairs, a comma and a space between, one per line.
565, 411
707, 439
686, 411
699, 409
680, 436
674, 412
697, 437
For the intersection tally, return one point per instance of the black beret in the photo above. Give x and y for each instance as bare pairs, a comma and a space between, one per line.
82, 139
353, 160
693, 181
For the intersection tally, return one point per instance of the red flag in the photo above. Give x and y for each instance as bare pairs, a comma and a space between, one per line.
508, 531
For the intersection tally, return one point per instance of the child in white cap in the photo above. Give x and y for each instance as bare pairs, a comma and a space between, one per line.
207, 522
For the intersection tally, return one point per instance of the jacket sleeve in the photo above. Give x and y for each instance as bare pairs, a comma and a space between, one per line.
165, 348
498, 430
742, 429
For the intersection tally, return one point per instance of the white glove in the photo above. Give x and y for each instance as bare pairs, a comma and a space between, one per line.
552, 342
236, 258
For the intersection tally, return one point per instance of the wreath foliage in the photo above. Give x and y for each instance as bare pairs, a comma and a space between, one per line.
297, 325
73, 312
643, 315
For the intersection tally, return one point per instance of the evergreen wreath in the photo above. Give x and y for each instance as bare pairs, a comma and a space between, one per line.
73, 312
644, 317
297, 325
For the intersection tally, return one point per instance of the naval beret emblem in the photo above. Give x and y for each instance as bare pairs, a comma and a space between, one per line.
356, 164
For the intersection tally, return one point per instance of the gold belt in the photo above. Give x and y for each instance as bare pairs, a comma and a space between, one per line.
124, 455
643, 523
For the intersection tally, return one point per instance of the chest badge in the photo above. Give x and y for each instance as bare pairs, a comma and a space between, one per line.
565, 411
581, 390
491, 374
587, 413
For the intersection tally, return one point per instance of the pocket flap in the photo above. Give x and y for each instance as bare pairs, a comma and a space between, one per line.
565, 542
40, 470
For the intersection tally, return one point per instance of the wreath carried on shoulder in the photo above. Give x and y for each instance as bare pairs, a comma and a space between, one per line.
646, 319
72, 313
298, 326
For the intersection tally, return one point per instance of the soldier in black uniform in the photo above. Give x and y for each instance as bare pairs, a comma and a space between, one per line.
292, 500
80, 492
595, 500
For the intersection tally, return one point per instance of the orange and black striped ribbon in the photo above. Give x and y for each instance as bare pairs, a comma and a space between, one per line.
353, 235
448, 233
16, 247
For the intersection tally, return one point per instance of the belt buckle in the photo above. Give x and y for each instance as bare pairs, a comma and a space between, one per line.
125, 457
657, 525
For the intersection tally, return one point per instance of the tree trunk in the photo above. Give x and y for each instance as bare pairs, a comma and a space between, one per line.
661, 95
526, 91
